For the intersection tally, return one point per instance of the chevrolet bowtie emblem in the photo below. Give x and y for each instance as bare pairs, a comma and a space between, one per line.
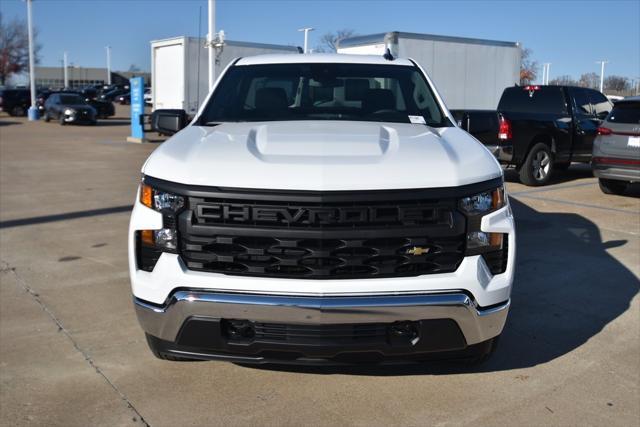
417, 251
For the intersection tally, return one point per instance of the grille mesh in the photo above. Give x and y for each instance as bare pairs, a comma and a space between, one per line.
322, 239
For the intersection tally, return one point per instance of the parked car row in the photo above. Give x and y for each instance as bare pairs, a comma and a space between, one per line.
540, 129
16, 102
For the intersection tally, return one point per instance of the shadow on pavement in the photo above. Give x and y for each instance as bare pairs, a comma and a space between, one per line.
113, 122
64, 216
566, 290
4, 122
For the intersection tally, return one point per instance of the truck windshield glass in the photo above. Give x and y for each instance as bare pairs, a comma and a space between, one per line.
276, 92
547, 99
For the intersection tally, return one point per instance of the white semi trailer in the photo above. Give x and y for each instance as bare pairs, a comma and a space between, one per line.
471, 73
179, 69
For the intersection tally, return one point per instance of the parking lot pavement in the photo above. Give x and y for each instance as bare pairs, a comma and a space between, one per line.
71, 352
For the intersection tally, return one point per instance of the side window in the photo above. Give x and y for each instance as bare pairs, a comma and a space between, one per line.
600, 103
581, 102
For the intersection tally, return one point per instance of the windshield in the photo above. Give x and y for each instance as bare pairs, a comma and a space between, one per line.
71, 99
381, 93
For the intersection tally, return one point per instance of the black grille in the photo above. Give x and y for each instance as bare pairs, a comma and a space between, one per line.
324, 236
335, 334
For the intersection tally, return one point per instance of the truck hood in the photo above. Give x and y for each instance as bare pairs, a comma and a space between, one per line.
322, 156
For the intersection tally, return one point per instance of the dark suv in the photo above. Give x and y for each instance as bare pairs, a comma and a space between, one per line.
16, 102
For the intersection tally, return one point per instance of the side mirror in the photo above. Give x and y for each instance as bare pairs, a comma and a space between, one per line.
168, 122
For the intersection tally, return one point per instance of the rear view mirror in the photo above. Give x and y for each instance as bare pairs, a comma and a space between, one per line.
168, 122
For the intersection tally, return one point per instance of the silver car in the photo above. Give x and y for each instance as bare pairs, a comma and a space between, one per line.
616, 150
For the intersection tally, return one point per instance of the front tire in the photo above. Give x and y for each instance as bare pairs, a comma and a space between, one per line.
538, 166
612, 186
46, 117
62, 122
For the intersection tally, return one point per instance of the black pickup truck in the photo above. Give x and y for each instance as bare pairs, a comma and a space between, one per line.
538, 129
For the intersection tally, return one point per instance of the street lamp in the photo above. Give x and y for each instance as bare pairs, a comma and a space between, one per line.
545, 73
33, 110
66, 71
306, 38
108, 64
602, 73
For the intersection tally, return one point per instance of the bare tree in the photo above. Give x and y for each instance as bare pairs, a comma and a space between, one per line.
617, 83
590, 80
14, 48
528, 67
331, 41
565, 80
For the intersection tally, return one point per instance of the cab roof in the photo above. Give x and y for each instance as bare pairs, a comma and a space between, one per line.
320, 58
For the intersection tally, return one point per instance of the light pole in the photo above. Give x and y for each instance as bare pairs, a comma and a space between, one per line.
547, 68
108, 64
66, 71
306, 38
33, 110
602, 73
210, 36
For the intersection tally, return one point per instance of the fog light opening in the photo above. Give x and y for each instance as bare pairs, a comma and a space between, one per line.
405, 331
238, 329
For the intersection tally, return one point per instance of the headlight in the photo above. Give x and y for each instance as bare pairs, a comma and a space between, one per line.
483, 202
169, 205
69, 112
492, 246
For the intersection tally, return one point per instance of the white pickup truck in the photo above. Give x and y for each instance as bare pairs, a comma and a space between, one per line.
321, 209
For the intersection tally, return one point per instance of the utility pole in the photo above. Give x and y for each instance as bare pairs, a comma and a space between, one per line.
33, 110
108, 64
66, 71
210, 36
306, 38
547, 68
602, 73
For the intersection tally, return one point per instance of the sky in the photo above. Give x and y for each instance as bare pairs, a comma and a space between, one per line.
571, 35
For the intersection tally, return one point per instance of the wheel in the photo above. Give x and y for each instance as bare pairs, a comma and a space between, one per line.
612, 186
46, 117
538, 166
153, 342
93, 122
18, 111
562, 166
61, 119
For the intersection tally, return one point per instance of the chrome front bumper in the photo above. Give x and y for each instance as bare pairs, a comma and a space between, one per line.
476, 324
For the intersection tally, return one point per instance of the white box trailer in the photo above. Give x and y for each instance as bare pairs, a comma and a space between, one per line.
469, 73
179, 69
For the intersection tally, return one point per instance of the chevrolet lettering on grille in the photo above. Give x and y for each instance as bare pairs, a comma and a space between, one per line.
308, 215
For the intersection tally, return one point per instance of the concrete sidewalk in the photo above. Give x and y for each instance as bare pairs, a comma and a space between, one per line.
72, 354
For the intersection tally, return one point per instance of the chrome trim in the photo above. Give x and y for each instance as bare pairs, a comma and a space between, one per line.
502, 152
476, 324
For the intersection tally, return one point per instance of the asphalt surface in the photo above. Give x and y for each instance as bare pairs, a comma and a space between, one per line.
72, 353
